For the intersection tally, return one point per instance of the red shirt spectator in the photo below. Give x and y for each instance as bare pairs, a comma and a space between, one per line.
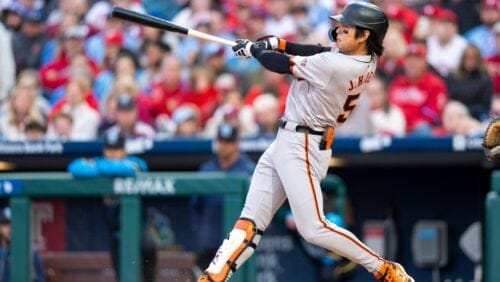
203, 95
57, 72
419, 93
166, 95
273, 83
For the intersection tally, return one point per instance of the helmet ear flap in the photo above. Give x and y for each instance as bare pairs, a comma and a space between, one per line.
332, 33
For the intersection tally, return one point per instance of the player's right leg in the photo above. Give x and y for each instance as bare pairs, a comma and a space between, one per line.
264, 197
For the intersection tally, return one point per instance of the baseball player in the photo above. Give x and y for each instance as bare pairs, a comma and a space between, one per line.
328, 82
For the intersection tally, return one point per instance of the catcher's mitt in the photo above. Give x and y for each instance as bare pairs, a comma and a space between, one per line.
491, 140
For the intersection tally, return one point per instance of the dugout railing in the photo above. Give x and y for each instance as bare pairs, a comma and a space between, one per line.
21, 188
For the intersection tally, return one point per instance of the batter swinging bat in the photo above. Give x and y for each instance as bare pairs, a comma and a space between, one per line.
148, 20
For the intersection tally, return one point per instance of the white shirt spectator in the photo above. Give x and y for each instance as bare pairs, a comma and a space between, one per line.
391, 122
445, 58
85, 122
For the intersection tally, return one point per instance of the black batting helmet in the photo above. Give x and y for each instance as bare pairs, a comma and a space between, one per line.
365, 15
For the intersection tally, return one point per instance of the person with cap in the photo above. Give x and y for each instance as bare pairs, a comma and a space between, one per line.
328, 83
228, 159
420, 93
12, 16
445, 46
127, 119
57, 72
115, 162
29, 42
38, 274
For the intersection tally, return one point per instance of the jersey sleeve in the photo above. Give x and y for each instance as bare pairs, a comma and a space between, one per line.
316, 69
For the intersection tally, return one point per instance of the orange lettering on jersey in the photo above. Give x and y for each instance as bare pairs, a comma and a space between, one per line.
360, 81
369, 77
351, 85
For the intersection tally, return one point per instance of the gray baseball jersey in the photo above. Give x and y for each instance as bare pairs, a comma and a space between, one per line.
327, 87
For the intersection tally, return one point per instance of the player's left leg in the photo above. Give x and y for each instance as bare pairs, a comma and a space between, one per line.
301, 171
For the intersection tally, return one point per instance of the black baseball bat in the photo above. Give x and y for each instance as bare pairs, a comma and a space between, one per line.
151, 21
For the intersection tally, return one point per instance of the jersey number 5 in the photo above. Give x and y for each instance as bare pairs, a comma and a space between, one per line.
349, 105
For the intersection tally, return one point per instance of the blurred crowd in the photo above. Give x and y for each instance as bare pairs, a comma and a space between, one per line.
70, 71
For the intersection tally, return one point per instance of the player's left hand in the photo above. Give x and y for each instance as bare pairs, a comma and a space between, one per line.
242, 48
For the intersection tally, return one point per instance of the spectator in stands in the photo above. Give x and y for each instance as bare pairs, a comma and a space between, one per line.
152, 52
457, 120
127, 119
54, 46
267, 114
272, 82
29, 42
61, 127
104, 46
116, 163
279, 21
402, 17
85, 118
190, 16
77, 8
166, 94
483, 36
5, 253
35, 130
391, 62
445, 46
233, 111
207, 211
186, 121
419, 93
21, 109
493, 62
29, 80
203, 93
8, 69
386, 118
56, 73
12, 16
471, 84
125, 65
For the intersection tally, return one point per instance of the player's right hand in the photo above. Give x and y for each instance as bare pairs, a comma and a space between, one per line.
242, 48
269, 42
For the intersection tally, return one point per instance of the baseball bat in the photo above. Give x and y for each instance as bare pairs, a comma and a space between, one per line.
151, 21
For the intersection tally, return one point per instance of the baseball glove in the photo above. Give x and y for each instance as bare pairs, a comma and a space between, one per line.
491, 140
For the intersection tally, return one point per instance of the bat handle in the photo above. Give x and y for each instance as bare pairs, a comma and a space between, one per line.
208, 37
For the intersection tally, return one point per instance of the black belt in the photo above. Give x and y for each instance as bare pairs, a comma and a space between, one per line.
301, 128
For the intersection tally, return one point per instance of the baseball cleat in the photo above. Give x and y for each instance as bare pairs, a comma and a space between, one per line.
204, 278
392, 272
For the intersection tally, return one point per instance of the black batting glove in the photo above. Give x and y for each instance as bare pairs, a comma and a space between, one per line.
272, 43
242, 48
